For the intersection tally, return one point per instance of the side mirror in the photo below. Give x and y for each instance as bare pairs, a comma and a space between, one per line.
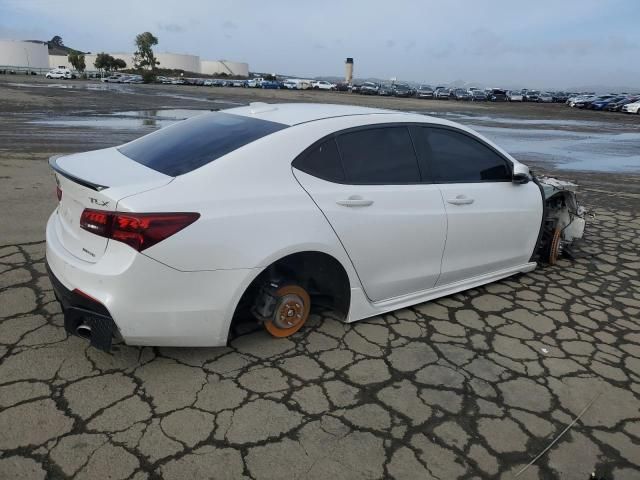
520, 174
520, 178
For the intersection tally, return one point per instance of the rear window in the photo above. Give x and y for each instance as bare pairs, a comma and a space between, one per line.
190, 144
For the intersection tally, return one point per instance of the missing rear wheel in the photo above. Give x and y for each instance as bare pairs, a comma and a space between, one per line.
291, 312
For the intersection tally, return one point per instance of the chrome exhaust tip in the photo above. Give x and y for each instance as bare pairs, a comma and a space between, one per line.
84, 331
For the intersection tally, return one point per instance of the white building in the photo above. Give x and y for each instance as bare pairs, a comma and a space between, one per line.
35, 55
15, 53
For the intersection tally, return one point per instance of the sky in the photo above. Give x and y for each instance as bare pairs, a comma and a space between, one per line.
536, 43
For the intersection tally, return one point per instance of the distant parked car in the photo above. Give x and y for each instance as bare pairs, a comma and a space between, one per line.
478, 96
342, 87
402, 90
617, 106
587, 103
424, 91
497, 95
114, 78
288, 84
369, 88
632, 108
322, 85
603, 103
459, 94
60, 73
514, 96
560, 97
441, 93
385, 90
270, 84
545, 97
530, 96
133, 79
255, 82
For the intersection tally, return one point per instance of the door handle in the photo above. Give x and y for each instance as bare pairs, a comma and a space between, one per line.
460, 200
355, 201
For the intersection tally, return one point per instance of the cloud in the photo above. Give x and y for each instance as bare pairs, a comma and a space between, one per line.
547, 42
171, 27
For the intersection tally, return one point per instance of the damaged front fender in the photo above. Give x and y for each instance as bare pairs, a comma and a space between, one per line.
564, 219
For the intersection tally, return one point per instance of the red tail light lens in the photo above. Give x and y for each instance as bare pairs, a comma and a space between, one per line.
138, 230
59, 192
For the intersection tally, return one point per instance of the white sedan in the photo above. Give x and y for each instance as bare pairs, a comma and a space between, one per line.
631, 108
275, 209
323, 85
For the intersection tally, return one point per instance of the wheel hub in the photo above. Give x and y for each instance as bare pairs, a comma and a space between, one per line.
289, 311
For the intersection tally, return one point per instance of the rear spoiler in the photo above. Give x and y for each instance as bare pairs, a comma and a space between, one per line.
53, 163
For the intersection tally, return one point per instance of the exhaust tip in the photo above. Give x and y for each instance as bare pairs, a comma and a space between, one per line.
84, 331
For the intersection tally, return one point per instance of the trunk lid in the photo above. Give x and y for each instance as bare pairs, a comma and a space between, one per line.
98, 180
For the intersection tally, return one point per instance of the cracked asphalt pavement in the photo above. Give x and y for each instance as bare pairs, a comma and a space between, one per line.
474, 385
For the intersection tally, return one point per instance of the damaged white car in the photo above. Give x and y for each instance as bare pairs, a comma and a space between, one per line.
270, 210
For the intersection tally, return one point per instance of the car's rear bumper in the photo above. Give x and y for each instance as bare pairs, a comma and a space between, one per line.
148, 302
81, 310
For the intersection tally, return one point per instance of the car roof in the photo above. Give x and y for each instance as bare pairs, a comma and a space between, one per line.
296, 113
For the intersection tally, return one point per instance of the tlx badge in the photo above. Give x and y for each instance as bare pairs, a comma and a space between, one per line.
101, 203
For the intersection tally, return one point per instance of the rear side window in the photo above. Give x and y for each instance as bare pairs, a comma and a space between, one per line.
322, 161
378, 156
192, 143
454, 157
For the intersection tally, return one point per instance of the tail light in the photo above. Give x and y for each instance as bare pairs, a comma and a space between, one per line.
59, 193
138, 230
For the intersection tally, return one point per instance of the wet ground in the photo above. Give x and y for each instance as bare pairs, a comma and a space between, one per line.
475, 385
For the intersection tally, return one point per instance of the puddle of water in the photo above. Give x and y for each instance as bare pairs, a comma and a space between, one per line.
163, 114
41, 85
570, 150
565, 144
125, 120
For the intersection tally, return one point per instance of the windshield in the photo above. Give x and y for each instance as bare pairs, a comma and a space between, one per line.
190, 144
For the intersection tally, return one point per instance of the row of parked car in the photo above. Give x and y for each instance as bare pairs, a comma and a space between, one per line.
612, 102
258, 82
122, 78
461, 94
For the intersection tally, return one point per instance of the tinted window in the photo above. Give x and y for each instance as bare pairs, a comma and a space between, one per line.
379, 155
454, 157
322, 161
190, 144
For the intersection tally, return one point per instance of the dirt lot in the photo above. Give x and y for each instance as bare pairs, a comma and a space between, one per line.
474, 385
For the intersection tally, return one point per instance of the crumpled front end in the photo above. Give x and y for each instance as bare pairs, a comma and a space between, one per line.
564, 219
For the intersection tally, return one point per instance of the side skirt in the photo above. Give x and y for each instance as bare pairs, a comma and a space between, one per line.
362, 308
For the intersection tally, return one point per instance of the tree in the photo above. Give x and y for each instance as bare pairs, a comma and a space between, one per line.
118, 63
144, 57
56, 41
106, 62
102, 62
76, 59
